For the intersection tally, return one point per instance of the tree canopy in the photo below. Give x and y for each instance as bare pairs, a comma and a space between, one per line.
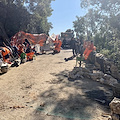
102, 25
27, 15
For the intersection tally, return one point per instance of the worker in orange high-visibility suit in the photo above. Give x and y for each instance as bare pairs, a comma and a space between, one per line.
88, 50
58, 44
6, 55
42, 42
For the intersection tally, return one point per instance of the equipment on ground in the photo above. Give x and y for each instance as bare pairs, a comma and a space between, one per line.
3, 66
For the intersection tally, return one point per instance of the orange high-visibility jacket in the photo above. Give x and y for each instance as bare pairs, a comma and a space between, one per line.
7, 51
88, 50
58, 45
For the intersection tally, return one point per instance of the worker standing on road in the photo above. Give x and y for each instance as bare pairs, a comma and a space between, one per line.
73, 46
79, 47
58, 44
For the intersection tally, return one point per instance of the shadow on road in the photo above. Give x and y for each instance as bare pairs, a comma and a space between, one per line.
71, 100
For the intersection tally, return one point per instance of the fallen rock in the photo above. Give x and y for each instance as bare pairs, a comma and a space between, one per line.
85, 70
106, 76
96, 75
102, 81
114, 71
112, 81
86, 75
115, 106
109, 80
116, 90
77, 72
115, 117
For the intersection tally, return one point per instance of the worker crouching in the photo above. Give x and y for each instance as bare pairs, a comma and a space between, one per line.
5, 52
29, 53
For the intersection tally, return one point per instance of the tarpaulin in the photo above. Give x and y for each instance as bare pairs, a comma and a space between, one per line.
19, 38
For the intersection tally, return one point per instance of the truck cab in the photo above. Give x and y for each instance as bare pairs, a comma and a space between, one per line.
66, 39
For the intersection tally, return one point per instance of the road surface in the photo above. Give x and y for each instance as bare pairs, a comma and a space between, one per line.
40, 90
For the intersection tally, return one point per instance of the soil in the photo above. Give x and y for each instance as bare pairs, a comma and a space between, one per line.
40, 90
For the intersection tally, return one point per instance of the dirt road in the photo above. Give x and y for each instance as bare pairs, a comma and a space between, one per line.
40, 90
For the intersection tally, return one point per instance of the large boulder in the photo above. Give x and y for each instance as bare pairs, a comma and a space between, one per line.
115, 106
114, 71
115, 117
96, 75
109, 80
85, 70
103, 64
79, 72
116, 90
75, 73
107, 65
99, 61
91, 57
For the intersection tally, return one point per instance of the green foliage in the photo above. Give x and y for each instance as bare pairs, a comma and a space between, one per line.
79, 25
27, 15
69, 30
105, 52
101, 24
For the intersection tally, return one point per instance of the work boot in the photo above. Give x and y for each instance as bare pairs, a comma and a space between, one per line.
65, 59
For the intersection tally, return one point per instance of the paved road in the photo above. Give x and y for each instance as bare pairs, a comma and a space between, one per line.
40, 90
